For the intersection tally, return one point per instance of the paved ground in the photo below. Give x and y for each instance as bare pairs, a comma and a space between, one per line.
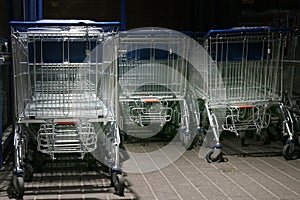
63, 179
253, 172
191, 177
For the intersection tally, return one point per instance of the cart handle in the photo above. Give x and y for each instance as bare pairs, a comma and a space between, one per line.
246, 30
47, 22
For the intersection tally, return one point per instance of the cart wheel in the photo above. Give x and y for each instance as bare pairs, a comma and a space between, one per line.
198, 140
18, 183
288, 151
28, 172
215, 155
119, 185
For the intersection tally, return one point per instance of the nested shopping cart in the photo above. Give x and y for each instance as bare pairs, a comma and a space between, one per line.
291, 96
248, 81
64, 75
155, 78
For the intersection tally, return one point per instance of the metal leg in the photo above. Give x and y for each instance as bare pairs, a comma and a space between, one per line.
116, 171
214, 125
215, 155
289, 150
117, 181
186, 133
19, 148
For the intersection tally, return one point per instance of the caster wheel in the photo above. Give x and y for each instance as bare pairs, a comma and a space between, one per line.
288, 151
214, 155
18, 183
198, 140
119, 184
28, 172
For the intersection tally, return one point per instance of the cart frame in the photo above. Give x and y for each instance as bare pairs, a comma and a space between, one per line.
248, 83
64, 75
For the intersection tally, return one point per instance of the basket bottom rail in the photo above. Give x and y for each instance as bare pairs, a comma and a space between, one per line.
76, 138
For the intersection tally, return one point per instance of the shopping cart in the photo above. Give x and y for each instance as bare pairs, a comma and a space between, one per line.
155, 79
291, 96
248, 82
64, 75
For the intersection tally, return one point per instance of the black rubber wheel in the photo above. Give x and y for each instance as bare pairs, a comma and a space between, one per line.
28, 172
210, 159
19, 186
197, 141
288, 151
119, 185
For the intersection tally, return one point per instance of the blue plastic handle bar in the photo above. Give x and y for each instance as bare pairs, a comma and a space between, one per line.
147, 31
246, 30
62, 23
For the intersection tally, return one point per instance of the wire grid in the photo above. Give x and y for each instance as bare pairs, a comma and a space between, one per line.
249, 67
58, 72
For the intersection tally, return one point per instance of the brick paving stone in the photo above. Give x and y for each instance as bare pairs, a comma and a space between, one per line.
250, 177
244, 176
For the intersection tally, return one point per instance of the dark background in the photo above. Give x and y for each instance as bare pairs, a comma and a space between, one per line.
184, 15
181, 15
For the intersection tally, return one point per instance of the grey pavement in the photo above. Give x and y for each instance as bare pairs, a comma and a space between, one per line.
252, 172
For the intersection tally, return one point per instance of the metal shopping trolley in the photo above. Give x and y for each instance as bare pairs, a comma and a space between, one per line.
248, 82
155, 79
64, 75
291, 96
